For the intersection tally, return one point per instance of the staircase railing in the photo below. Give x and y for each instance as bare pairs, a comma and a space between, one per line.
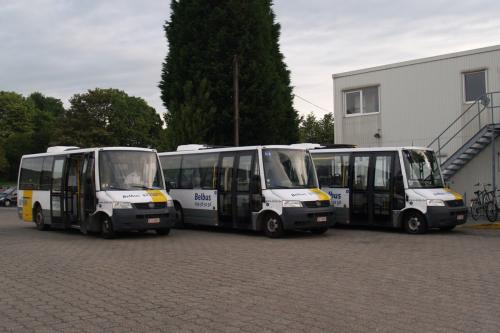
466, 125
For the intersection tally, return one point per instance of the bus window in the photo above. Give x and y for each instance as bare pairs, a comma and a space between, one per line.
171, 169
30, 173
46, 176
333, 171
198, 171
207, 170
243, 173
361, 164
399, 187
57, 173
340, 171
382, 172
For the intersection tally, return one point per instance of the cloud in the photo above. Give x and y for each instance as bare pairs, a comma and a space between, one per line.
62, 47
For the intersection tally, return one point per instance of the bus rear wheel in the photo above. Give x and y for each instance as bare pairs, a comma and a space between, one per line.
273, 227
39, 220
414, 223
107, 231
7, 203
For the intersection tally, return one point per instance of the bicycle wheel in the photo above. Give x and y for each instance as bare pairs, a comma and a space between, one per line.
475, 209
491, 211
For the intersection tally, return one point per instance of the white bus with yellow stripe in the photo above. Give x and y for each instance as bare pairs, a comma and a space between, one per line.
264, 188
105, 190
383, 186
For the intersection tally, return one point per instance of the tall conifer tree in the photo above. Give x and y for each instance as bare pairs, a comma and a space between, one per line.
197, 76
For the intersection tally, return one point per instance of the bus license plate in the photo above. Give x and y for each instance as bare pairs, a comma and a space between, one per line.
460, 217
153, 220
321, 219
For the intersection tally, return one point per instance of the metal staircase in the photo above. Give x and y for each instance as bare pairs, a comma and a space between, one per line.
469, 134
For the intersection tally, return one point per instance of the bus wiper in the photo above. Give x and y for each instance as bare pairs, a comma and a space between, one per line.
112, 187
146, 187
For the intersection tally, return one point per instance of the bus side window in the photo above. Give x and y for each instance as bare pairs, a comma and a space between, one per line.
31, 170
46, 176
399, 187
171, 169
340, 171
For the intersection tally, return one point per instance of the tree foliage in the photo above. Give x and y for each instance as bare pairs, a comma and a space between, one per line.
99, 117
197, 75
314, 130
109, 117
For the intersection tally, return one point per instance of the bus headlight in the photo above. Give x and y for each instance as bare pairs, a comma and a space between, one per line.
122, 205
170, 203
435, 202
292, 203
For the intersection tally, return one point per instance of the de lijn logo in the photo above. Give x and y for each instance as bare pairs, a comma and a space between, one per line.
202, 197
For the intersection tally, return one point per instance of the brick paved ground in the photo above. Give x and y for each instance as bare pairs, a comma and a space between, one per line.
198, 280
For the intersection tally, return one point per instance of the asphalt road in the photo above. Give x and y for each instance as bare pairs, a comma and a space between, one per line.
348, 280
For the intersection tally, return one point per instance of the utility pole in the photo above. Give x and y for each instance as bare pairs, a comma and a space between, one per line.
236, 101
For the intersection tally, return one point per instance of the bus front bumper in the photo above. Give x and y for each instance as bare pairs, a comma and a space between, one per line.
445, 216
307, 218
143, 219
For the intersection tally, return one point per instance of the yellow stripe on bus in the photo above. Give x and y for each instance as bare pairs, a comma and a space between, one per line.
157, 196
322, 195
27, 205
455, 194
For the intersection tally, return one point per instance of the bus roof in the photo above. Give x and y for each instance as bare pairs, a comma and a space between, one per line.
370, 149
87, 150
225, 149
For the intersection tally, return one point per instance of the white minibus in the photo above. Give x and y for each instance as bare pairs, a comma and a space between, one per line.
106, 190
269, 188
396, 187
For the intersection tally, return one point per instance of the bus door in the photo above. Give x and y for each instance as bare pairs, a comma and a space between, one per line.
244, 171
372, 183
87, 189
360, 205
57, 192
72, 188
225, 182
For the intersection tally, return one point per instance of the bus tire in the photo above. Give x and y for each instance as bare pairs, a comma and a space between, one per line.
273, 226
6, 203
414, 223
179, 216
107, 231
162, 231
39, 220
319, 231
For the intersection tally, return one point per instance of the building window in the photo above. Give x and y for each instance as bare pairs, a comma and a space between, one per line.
474, 85
362, 101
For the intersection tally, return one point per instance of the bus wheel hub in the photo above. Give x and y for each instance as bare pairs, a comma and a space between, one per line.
414, 223
272, 225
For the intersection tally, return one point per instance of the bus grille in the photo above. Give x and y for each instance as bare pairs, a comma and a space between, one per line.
317, 204
454, 203
150, 205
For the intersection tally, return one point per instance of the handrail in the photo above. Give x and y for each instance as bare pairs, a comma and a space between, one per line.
478, 100
482, 103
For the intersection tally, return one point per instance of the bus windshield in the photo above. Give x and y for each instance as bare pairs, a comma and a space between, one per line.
287, 168
422, 169
121, 170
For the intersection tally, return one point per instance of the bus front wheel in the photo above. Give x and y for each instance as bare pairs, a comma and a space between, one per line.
39, 220
107, 231
273, 227
414, 223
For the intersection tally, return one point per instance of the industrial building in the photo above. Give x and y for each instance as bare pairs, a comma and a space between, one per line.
449, 102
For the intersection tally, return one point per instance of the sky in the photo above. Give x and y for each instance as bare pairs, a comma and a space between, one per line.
63, 47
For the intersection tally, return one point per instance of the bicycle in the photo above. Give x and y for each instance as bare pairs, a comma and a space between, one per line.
484, 204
